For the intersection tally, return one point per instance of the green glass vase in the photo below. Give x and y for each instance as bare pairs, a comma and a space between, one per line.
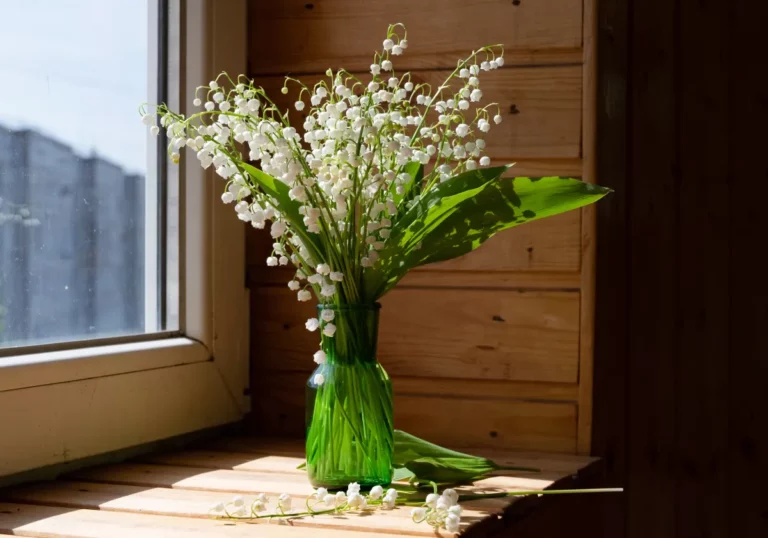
350, 433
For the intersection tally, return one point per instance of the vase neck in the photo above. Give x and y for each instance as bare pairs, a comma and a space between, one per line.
355, 339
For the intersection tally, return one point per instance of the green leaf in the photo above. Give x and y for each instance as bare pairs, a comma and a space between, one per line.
289, 209
413, 187
410, 228
432, 463
462, 213
402, 474
302, 465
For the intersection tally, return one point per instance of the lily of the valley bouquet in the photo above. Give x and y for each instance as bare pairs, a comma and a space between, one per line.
385, 174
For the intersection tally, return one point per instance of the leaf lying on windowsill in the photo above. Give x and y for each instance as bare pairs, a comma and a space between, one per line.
419, 461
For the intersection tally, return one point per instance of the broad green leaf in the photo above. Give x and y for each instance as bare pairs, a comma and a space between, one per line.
412, 188
432, 463
456, 223
402, 474
408, 230
278, 191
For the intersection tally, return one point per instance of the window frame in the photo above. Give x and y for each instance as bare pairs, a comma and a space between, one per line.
64, 402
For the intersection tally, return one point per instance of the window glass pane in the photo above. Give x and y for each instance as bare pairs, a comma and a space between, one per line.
74, 180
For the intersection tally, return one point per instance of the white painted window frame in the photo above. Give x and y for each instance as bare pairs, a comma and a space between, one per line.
63, 404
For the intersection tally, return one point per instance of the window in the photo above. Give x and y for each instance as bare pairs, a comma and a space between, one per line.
121, 277
75, 180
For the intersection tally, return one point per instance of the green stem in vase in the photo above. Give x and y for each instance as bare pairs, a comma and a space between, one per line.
349, 405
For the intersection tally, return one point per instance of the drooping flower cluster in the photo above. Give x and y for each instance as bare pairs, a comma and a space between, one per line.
347, 170
439, 511
332, 195
321, 502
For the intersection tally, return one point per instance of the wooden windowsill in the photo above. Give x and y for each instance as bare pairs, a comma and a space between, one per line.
170, 494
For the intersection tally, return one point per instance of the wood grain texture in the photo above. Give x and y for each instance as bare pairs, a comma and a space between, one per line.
613, 267
541, 109
748, 315
134, 499
703, 330
56, 522
588, 231
101, 415
309, 37
550, 244
466, 334
249, 446
654, 200
471, 420
196, 504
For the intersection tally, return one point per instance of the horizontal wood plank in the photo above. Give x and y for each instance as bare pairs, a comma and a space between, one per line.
251, 482
57, 522
197, 504
237, 461
523, 280
551, 244
541, 108
309, 37
551, 465
135, 499
459, 421
478, 422
197, 478
467, 334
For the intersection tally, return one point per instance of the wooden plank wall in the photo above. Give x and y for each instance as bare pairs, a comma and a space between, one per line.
681, 357
492, 349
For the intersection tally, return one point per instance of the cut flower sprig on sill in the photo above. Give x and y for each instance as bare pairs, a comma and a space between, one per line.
386, 173
439, 510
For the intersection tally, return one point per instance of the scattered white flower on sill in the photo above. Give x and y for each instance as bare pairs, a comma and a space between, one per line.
376, 493
284, 501
441, 512
355, 500
419, 514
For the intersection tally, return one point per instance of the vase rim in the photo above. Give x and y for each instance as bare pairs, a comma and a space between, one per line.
350, 307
